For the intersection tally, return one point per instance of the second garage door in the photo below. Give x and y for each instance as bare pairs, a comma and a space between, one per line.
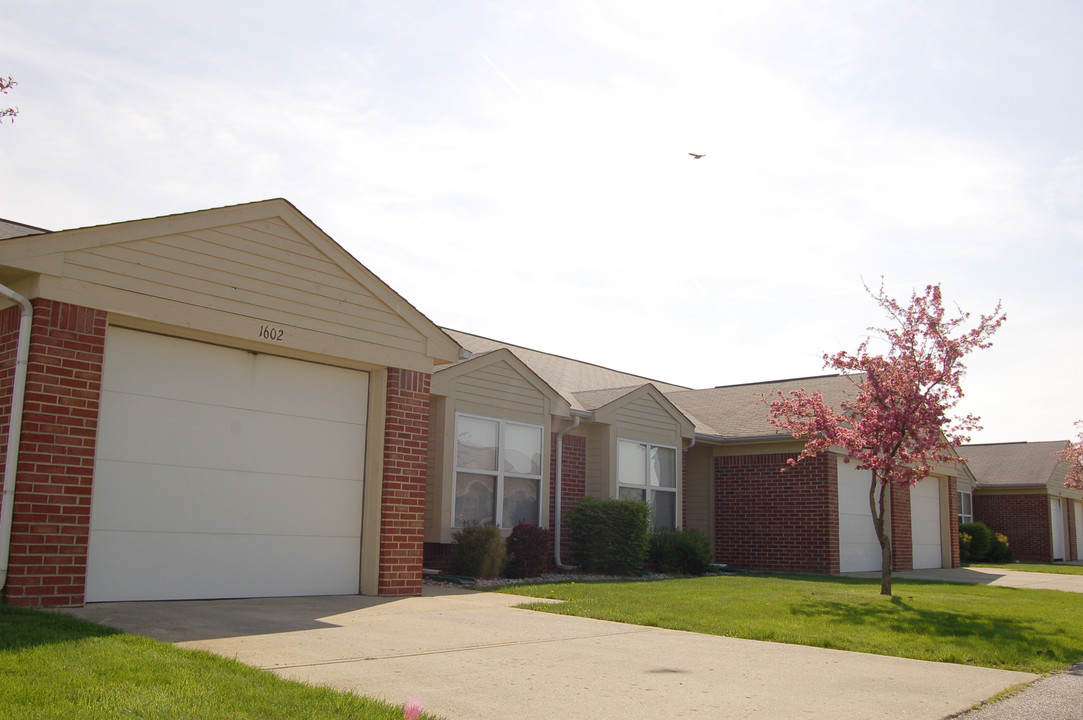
925, 523
224, 473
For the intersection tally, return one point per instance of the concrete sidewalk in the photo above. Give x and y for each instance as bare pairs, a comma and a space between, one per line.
990, 576
471, 655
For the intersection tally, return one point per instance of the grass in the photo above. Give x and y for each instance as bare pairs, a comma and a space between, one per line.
1031, 630
1055, 568
54, 666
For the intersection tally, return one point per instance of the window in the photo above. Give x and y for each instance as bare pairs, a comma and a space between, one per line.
649, 472
966, 507
497, 471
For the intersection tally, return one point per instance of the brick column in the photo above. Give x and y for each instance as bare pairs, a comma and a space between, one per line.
902, 533
402, 515
51, 521
953, 521
573, 487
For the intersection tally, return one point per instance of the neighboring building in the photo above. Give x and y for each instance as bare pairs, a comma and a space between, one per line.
1019, 491
225, 403
621, 435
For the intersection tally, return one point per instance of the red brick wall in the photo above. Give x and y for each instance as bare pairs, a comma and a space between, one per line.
573, 486
1024, 519
771, 520
51, 525
953, 520
902, 534
9, 335
402, 519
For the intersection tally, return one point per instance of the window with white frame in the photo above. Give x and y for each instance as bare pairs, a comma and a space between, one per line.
498, 471
966, 507
648, 472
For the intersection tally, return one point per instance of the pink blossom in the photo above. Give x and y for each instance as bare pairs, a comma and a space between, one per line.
1073, 455
413, 707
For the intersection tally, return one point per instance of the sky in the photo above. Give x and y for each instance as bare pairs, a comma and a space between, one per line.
521, 170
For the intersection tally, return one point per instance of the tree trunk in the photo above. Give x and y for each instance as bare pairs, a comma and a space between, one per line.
876, 506
885, 567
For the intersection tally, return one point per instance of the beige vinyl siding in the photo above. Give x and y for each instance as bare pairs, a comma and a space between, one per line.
645, 420
250, 272
434, 499
228, 276
699, 489
499, 391
601, 451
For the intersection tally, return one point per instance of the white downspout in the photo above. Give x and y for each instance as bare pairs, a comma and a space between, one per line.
15, 427
556, 513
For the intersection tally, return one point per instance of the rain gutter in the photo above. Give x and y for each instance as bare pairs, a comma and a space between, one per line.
15, 426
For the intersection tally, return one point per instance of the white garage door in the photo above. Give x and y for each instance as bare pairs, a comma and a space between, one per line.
1078, 529
1056, 513
925, 523
859, 549
224, 473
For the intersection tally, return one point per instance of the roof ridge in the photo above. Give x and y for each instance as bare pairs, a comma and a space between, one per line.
782, 380
168, 215
22, 224
567, 359
1013, 442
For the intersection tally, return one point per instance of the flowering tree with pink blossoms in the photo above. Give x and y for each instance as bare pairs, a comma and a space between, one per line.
898, 421
5, 85
1073, 455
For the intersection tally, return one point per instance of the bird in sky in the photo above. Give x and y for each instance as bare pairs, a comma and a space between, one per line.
697, 157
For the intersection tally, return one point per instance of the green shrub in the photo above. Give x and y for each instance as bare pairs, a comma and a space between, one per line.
964, 546
528, 549
478, 551
1000, 552
683, 552
981, 539
610, 536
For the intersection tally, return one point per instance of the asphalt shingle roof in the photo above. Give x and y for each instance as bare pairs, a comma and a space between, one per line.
740, 411
568, 377
11, 229
1018, 463
734, 411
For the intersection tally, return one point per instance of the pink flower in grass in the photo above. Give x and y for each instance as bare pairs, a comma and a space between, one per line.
413, 707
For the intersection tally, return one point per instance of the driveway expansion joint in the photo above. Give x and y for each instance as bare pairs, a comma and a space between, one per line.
451, 651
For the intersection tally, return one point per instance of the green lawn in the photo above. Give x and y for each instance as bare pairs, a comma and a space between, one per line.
54, 666
1032, 630
1055, 568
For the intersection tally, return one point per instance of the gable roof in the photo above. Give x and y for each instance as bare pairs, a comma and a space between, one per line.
634, 398
228, 268
1018, 464
448, 374
739, 411
568, 377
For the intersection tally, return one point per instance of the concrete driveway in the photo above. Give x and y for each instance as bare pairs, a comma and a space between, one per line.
471, 655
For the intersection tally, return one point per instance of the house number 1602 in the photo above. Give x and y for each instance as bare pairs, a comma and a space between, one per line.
271, 333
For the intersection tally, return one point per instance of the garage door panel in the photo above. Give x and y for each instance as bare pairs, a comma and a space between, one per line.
255, 381
135, 497
151, 430
196, 566
925, 523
